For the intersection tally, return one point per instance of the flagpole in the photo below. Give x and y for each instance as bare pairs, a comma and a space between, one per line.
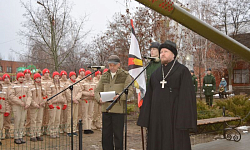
142, 138
125, 120
115, 101
139, 105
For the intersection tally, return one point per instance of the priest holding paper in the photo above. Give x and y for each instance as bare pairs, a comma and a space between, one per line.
169, 107
115, 79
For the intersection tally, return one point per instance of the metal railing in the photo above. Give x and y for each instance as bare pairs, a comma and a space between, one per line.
53, 138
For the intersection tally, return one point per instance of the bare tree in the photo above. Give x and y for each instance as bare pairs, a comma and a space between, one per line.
234, 15
52, 33
149, 26
79, 58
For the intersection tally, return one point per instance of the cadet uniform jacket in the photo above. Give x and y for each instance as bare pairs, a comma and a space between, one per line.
46, 83
59, 99
7, 88
151, 68
20, 94
120, 81
65, 84
88, 87
29, 82
77, 93
38, 96
209, 84
194, 80
5, 107
79, 78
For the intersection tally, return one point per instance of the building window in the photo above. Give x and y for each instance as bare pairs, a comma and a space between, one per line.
9, 70
241, 76
1, 69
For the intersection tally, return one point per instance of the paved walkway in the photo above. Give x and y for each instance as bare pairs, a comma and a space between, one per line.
222, 144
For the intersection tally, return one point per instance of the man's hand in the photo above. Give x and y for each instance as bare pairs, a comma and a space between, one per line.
101, 101
203, 90
114, 98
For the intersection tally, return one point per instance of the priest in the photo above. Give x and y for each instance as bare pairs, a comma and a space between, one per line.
169, 108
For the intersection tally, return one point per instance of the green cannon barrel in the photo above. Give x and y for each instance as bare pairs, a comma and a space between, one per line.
173, 11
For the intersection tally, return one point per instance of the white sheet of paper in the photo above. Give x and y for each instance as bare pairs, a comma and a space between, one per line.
107, 96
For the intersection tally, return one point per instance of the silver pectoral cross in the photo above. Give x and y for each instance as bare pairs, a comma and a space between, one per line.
163, 82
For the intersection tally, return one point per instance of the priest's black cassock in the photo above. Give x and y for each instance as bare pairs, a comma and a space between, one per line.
169, 113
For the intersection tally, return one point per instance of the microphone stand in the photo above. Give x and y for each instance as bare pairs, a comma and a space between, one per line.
71, 89
125, 90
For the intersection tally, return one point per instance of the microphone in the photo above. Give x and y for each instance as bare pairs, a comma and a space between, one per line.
97, 67
155, 59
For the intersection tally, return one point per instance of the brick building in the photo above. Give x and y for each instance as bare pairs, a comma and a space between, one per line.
10, 67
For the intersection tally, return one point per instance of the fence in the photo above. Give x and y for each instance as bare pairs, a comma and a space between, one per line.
61, 142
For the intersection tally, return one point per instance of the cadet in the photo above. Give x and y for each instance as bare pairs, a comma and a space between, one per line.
20, 98
56, 105
97, 119
154, 52
88, 99
46, 83
4, 107
63, 120
77, 94
81, 103
39, 99
194, 80
7, 87
29, 82
209, 86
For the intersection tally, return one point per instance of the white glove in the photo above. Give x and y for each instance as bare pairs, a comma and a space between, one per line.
212, 91
203, 90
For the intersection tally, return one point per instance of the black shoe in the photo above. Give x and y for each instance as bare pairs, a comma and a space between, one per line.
22, 140
75, 134
39, 138
91, 132
17, 141
69, 134
0, 143
33, 139
85, 132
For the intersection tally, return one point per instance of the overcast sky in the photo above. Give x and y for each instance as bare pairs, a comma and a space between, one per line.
98, 11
